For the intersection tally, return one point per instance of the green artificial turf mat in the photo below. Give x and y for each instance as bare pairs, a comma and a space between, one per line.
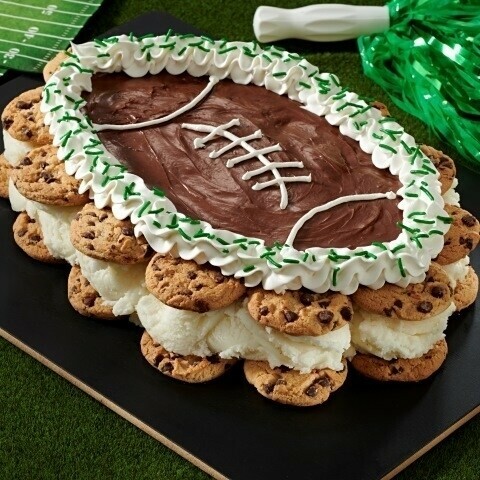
49, 429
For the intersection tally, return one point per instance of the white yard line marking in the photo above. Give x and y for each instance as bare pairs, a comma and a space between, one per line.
36, 33
24, 56
84, 3
29, 45
41, 21
42, 8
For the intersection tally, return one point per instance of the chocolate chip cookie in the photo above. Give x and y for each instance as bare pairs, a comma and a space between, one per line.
98, 234
284, 385
417, 301
188, 368
54, 64
27, 234
443, 163
23, 120
85, 299
5, 169
401, 369
466, 290
461, 238
41, 176
186, 285
300, 312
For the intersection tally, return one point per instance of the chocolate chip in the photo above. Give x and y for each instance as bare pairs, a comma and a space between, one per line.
437, 291
312, 390
290, 316
213, 359
444, 162
27, 132
263, 311
324, 303
325, 316
103, 216
7, 123
186, 292
218, 277
466, 242
192, 275
90, 223
35, 238
398, 303
88, 235
268, 388
324, 381
89, 300
47, 177
201, 306
167, 367
22, 232
283, 368
23, 105
127, 231
424, 307
388, 312
469, 220
26, 161
346, 313
396, 370
306, 299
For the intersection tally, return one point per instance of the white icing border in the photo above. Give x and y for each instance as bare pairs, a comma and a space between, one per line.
401, 261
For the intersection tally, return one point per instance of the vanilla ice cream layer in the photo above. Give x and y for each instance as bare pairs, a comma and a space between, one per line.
120, 286
393, 338
451, 196
53, 220
232, 333
457, 271
15, 149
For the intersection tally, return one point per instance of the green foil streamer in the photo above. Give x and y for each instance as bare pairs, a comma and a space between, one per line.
428, 62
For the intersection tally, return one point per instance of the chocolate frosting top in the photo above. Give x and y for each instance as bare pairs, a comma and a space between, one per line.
204, 188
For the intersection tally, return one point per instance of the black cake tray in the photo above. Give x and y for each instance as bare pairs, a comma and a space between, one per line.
220, 426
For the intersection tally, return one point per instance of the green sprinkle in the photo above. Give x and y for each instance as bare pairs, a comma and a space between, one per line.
379, 245
334, 80
78, 67
54, 109
347, 104
182, 51
426, 167
93, 152
131, 37
205, 49
69, 154
391, 133
294, 56
411, 195
378, 137
268, 254
445, 219
65, 138
335, 257
416, 152
68, 117
78, 103
254, 242
249, 268
366, 255
158, 192
186, 35
400, 266
408, 229
221, 241
416, 214
100, 55
154, 212
242, 246
148, 35
406, 147
207, 39
427, 193
200, 234
173, 222
226, 50
341, 94
240, 240
149, 57
98, 41
273, 262
398, 247
419, 172
276, 54
247, 52
426, 222
144, 207
359, 125
313, 73
358, 112
305, 257
279, 74
224, 42
170, 45
266, 57
387, 147
157, 224
305, 85
183, 234
168, 34
435, 232
290, 260
129, 191
387, 119
335, 273
195, 44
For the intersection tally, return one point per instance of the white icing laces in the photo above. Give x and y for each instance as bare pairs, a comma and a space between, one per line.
277, 267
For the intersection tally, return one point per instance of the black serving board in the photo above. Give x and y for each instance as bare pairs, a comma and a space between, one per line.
367, 430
